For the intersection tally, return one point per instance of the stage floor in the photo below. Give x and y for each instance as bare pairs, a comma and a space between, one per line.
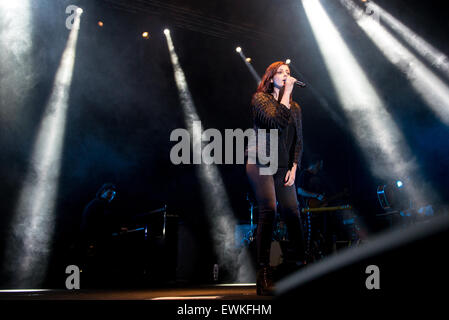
206, 292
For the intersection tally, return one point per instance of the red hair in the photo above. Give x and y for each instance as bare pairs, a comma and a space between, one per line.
266, 85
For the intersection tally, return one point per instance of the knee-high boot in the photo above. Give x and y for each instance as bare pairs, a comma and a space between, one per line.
263, 238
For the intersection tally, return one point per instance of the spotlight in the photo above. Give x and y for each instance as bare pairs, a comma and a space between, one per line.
361, 102
288, 61
35, 215
145, 35
100, 23
220, 213
79, 11
392, 196
166, 31
248, 64
426, 83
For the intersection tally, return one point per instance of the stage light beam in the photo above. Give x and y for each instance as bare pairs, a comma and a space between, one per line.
377, 134
16, 68
432, 89
434, 56
248, 64
218, 208
33, 223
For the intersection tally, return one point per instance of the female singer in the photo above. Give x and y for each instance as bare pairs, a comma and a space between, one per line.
273, 108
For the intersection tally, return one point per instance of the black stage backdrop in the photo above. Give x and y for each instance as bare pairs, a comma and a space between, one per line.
124, 104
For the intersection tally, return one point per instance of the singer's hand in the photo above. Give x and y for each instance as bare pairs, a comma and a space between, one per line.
290, 83
290, 176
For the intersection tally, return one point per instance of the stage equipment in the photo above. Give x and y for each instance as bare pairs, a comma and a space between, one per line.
153, 241
393, 196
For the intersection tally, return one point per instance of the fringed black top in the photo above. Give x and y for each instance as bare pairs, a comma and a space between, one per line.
268, 114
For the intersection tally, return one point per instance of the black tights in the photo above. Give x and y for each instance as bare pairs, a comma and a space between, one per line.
267, 189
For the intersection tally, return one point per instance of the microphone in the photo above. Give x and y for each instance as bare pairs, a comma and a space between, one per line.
300, 84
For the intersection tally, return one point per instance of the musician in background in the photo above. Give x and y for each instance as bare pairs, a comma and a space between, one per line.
98, 221
98, 224
311, 183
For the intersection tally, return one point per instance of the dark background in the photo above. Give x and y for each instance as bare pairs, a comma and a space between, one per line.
124, 103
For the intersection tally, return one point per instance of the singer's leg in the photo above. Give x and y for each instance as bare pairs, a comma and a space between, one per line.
286, 196
264, 191
263, 187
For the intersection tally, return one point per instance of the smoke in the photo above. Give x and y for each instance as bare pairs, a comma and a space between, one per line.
30, 244
246, 271
33, 223
235, 260
218, 208
16, 71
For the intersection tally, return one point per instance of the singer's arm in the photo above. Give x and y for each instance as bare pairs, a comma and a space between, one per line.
268, 113
299, 138
288, 91
286, 99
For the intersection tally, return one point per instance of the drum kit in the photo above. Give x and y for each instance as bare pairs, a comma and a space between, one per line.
323, 227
